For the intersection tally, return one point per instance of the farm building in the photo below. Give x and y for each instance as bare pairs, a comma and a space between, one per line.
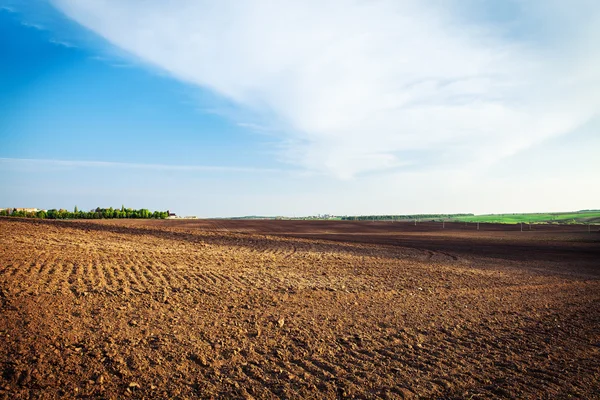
27, 209
11, 210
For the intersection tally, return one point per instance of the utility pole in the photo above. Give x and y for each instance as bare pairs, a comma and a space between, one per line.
443, 224
521, 227
478, 226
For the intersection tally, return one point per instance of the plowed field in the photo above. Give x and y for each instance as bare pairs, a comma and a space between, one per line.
295, 309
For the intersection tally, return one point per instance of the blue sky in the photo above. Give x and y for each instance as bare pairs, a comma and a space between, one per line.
259, 107
67, 102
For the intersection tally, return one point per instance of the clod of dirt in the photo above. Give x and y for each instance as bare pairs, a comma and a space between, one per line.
281, 322
256, 333
24, 378
199, 359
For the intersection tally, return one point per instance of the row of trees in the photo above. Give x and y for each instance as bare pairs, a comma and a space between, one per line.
98, 213
402, 217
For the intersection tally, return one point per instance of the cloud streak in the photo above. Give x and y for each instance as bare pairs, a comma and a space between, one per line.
358, 87
29, 162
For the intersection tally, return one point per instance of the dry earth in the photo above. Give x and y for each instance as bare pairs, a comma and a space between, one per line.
297, 309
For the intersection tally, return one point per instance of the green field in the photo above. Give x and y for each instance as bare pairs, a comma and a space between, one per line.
577, 217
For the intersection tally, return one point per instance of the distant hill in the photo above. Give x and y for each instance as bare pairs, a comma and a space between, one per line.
252, 217
572, 217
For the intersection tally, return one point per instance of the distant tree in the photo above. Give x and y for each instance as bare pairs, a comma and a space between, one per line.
96, 213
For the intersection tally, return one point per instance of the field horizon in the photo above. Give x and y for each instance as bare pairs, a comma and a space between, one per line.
559, 217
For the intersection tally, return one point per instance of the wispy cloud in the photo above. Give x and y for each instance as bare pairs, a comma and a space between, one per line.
39, 27
111, 61
255, 127
367, 86
62, 43
31, 162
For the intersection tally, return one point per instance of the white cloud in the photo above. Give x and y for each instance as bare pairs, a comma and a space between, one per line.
363, 86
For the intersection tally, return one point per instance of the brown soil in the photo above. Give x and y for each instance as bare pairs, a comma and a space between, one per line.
297, 309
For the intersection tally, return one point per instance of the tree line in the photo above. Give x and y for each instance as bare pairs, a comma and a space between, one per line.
98, 213
402, 217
